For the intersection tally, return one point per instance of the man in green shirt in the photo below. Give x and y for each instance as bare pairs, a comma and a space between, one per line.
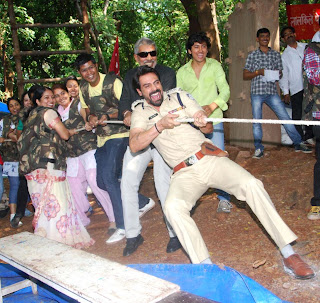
205, 80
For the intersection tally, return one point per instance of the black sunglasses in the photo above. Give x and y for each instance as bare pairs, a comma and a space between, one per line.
145, 54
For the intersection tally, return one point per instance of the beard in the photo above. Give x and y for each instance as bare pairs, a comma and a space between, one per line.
156, 102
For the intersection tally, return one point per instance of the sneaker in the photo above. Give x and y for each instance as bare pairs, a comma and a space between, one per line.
303, 148
296, 267
117, 236
146, 208
28, 213
224, 206
258, 154
310, 141
15, 222
314, 213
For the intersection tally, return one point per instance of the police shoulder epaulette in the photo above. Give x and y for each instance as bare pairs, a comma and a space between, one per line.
174, 90
136, 103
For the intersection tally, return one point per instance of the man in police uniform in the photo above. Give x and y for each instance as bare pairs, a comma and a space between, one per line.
198, 167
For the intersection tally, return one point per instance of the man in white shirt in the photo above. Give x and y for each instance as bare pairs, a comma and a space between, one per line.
291, 82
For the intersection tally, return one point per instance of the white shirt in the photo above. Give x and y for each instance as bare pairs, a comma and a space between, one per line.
316, 37
292, 79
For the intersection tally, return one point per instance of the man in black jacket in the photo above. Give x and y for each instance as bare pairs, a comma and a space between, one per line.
135, 164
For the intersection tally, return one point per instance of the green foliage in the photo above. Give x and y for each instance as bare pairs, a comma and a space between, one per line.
164, 21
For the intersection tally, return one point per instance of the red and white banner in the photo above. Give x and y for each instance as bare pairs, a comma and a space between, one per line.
114, 63
305, 19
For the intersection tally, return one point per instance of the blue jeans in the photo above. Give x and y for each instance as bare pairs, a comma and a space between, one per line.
109, 166
275, 103
13, 191
217, 138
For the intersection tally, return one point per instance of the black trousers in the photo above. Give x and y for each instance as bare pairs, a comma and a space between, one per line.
296, 104
23, 195
315, 201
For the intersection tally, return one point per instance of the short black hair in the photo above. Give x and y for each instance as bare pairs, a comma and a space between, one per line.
32, 89
38, 93
285, 28
263, 30
71, 77
197, 37
13, 98
83, 59
141, 71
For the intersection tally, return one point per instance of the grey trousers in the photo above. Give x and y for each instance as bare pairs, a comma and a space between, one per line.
134, 166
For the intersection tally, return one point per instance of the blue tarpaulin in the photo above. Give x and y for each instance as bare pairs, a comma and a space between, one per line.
3, 109
209, 281
10, 275
212, 282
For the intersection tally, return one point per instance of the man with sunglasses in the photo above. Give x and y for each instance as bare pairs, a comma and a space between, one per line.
135, 164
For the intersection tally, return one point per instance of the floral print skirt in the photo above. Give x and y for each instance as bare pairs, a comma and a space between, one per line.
55, 215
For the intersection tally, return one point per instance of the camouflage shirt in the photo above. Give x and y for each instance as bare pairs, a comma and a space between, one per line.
82, 141
38, 144
104, 104
9, 151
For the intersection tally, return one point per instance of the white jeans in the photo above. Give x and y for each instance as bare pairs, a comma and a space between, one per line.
134, 166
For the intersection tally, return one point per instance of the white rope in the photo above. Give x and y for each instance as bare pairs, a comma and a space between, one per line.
106, 121
262, 121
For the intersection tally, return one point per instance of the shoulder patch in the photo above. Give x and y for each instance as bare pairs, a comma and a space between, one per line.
174, 90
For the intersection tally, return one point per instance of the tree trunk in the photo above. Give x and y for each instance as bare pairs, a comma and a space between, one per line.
202, 17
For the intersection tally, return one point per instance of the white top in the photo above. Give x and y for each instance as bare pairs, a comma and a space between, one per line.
316, 37
292, 69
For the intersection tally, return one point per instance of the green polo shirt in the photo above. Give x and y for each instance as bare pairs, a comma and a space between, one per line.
211, 86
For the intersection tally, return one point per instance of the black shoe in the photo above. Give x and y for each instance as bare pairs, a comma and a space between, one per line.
132, 245
15, 221
173, 245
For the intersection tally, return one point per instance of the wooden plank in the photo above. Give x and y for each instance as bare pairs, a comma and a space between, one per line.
48, 53
60, 25
46, 80
81, 275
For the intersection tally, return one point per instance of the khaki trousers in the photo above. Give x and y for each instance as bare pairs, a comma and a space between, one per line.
190, 183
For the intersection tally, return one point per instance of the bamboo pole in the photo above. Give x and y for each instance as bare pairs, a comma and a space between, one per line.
16, 47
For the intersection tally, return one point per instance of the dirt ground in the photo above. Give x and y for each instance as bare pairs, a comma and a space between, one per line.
235, 240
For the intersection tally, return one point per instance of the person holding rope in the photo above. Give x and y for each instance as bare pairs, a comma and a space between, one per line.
199, 165
99, 95
81, 163
135, 164
264, 68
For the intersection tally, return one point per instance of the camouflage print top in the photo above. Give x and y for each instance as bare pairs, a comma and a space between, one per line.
104, 104
9, 150
38, 144
82, 141
24, 113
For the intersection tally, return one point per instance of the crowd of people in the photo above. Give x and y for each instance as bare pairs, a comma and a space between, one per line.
67, 137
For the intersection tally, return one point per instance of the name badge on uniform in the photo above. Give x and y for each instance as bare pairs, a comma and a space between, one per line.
153, 116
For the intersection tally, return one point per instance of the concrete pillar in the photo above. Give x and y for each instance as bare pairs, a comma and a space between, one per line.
243, 24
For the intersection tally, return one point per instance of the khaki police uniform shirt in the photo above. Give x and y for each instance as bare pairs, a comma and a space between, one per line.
179, 143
